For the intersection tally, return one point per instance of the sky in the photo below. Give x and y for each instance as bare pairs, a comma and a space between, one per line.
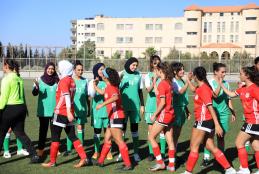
47, 22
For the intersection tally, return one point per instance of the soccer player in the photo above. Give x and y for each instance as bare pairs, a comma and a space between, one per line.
249, 97
13, 107
150, 106
222, 106
81, 105
116, 117
45, 87
64, 116
99, 119
163, 118
205, 122
132, 100
180, 101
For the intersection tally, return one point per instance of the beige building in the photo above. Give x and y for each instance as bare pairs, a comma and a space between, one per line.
220, 31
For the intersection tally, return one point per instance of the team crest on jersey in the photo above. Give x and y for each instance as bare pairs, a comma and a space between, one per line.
196, 97
247, 95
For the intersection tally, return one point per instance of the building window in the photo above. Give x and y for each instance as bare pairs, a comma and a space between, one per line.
128, 26
205, 27
223, 27
87, 26
128, 39
232, 13
238, 13
178, 40
100, 26
249, 46
92, 25
148, 39
210, 27
232, 27
92, 34
192, 19
218, 27
158, 27
149, 26
120, 26
209, 38
119, 40
231, 38
250, 18
250, 32
191, 33
191, 46
100, 39
158, 39
100, 52
218, 38
236, 38
204, 38
87, 34
221, 14
178, 26
223, 38
237, 26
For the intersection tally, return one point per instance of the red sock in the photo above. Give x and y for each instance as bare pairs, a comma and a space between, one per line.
171, 154
54, 151
257, 158
104, 152
243, 157
192, 159
125, 154
220, 157
157, 154
80, 149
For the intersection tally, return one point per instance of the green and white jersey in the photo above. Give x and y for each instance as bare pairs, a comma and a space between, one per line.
150, 106
80, 98
97, 99
220, 103
129, 87
46, 99
179, 100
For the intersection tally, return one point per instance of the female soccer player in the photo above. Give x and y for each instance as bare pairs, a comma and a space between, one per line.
64, 116
81, 104
13, 107
222, 106
132, 100
163, 117
249, 97
205, 122
45, 87
99, 119
150, 106
180, 100
116, 117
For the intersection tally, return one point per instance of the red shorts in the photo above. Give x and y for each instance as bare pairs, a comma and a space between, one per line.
165, 119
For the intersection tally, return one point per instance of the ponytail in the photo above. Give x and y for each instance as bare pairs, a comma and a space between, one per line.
13, 65
201, 75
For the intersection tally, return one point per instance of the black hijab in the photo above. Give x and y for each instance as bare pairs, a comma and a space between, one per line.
128, 63
50, 79
95, 70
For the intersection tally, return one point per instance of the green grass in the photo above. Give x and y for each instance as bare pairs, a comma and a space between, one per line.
19, 165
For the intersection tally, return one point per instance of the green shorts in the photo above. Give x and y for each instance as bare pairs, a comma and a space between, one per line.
180, 116
134, 116
81, 120
148, 116
100, 122
224, 122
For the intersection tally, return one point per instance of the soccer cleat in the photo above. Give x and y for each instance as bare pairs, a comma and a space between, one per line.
243, 171
35, 159
205, 163
170, 169
7, 154
157, 167
82, 162
109, 156
119, 158
230, 170
22, 152
136, 157
257, 172
96, 163
126, 168
186, 172
67, 153
95, 155
150, 157
48, 165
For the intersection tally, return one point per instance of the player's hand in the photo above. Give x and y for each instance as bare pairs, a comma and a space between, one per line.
96, 81
219, 131
99, 106
153, 118
233, 118
70, 117
189, 115
36, 83
189, 76
142, 110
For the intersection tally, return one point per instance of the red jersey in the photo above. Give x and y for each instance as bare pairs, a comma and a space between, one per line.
66, 86
114, 109
165, 91
249, 97
202, 98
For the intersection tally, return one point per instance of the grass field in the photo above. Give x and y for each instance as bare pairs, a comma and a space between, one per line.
19, 165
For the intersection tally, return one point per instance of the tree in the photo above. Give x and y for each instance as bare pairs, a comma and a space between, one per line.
173, 54
9, 51
21, 52
116, 55
1, 50
150, 51
65, 53
204, 55
128, 54
186, 55
87, 50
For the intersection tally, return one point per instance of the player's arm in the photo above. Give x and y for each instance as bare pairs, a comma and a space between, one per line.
110, 100
160, 107
233, 114
191, 85
100, 91
5, 92
218, 129
228, 92
184, 88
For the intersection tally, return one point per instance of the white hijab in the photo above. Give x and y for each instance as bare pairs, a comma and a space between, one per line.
65, 68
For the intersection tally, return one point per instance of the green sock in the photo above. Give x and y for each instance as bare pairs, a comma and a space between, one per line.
206, 154
69, 144
135, 139
247, 146
162, 143
19, 144
97, 142
6, 142
80, 135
